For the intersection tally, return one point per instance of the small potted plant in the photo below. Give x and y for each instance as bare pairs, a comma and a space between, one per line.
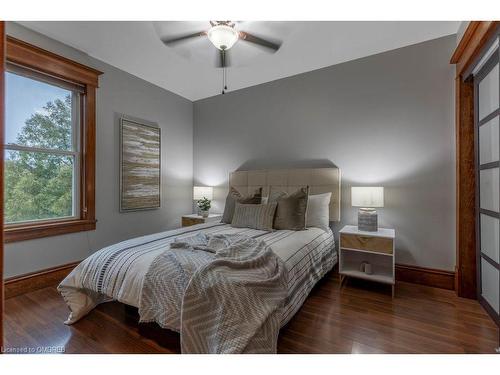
204, 205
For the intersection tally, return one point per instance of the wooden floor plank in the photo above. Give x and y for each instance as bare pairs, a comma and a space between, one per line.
358, 317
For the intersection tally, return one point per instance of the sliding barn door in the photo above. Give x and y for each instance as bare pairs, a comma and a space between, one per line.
486, 111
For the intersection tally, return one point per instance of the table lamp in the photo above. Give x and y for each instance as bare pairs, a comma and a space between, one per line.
367, 198
200, 192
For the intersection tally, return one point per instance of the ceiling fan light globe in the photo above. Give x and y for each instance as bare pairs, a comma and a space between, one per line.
222, 37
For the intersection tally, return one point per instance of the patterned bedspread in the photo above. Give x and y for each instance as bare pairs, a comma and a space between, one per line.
117, 272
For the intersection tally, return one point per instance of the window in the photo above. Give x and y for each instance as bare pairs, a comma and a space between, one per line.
49, 144
42, 152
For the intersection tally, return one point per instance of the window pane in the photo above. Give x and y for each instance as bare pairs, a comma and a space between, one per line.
490, 236
489, 180
488, 93
489, 149
490, 280
38, 186
38, 114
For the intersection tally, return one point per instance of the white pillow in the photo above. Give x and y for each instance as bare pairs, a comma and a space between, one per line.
318, 211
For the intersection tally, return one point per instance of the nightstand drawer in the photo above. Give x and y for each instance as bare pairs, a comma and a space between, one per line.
366, 243
193, 219
188, 221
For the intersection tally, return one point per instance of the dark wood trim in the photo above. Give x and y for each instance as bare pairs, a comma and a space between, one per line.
28, 232
426, 276
475, 38
33, 57
2, 132
465, 190
464, 42
87, 197
29, 282
44, 62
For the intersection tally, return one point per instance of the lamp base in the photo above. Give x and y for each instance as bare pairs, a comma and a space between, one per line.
367, 220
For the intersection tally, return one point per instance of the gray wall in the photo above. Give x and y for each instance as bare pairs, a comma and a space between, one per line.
119, 93
384, 120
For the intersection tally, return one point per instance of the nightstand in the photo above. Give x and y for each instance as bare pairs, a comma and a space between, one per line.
373, 248
193, 219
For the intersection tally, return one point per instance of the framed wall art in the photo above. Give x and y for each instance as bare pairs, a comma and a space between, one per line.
140, 165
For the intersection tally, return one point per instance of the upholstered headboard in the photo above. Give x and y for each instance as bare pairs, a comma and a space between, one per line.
319, 180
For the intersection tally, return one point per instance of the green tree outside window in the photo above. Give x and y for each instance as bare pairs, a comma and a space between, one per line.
39, 185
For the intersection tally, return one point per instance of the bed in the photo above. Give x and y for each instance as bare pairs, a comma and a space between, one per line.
117, 272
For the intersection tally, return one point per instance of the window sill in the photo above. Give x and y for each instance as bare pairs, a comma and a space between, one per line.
23, 232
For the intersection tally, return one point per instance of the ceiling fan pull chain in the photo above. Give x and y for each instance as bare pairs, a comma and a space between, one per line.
223, 63
223, 80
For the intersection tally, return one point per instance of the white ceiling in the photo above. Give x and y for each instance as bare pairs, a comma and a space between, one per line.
188, 69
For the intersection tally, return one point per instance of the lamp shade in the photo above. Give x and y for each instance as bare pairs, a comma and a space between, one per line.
367, 196
200, 192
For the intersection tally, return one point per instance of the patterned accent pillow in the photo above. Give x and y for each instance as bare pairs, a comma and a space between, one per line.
234, 196
291, 210
255, 216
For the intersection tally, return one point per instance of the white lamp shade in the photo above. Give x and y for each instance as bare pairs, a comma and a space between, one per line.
200, 192
367, 196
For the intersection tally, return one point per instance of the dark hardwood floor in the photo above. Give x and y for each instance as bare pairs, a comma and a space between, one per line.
358, 318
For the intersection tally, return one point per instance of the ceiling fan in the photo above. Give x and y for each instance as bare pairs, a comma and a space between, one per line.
223, 35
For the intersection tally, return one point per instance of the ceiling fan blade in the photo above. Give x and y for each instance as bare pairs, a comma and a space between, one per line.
171, 40
223, 59
261, 42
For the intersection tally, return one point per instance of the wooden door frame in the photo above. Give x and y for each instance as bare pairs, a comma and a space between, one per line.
2, 114
477, 35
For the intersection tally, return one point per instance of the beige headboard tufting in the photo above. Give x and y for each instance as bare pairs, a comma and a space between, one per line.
319, 180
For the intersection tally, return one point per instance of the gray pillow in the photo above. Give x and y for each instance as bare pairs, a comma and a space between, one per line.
234, 196
291, 210
275, 195
255, 216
